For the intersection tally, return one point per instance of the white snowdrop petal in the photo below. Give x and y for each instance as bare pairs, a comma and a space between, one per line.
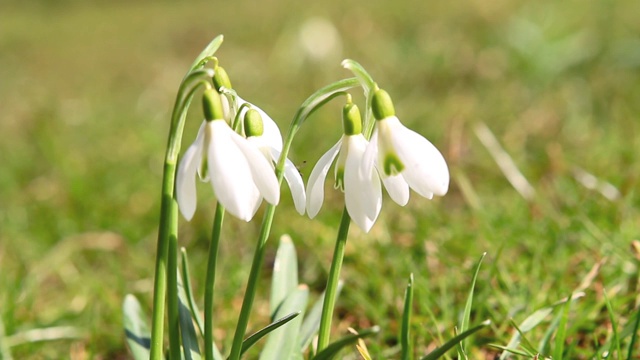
186, 179
271, 134
230, 172
425, 169
363, 195
261, 170
397, 188
315, 185
369, 156
294, 180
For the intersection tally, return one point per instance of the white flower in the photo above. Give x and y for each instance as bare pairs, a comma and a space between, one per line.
240, 175
256, 130
403, 158
363, 195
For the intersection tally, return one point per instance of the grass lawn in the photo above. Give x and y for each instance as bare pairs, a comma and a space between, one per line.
535, 106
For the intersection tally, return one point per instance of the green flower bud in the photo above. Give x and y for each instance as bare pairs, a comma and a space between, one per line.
351, 120
212, 105
220, 78
382, 105
253, 123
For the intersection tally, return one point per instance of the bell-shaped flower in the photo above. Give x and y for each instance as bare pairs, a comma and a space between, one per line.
363, 195
271, 132
256, 134
238, 172
403, 158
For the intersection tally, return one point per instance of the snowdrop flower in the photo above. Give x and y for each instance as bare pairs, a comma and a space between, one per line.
403, 158
363, 194
240, 175
256, 134
271, 135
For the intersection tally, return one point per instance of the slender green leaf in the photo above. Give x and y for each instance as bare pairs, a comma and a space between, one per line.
186, 280
534, 320
406, 321
545, 342
189, 339
285, 274
635, 326
207, 53
311, 322
467, 308
253, 338
334, 348
435, 354
561, 334
615, 340
513, 351
136, 329
280, 343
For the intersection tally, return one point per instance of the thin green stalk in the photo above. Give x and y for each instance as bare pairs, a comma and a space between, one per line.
168, 213
209, 286
172, 286
332, 283
250, 294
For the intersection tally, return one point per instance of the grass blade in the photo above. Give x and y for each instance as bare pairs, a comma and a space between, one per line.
534, 320
634, 334
285, 274
334, 348
615, 340
136, 329
435, 354
467, 308
406, 321
561, 334
255, 337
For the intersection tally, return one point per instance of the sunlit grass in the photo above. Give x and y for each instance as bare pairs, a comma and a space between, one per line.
85, 92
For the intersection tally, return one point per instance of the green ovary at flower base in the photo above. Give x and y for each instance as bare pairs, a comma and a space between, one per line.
271, 134
403, 158
255, 131
363, 198
240, 175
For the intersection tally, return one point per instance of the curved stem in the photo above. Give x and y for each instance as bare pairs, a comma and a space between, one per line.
209, 286
168, 211
332, 282
247, 302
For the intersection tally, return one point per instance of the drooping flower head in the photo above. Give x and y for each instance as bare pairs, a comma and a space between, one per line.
238, 172
254, 129
363, 197
403, 158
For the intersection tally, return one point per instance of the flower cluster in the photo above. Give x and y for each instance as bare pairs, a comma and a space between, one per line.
238, 146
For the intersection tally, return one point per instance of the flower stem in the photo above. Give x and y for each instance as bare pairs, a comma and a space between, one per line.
160, 282
168, 212
172, 290
209, 286
250, 294
332, 283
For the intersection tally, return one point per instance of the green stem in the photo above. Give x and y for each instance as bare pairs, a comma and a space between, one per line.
332, 283
256, 266
160, 283
168, 213
209, 286
172, 286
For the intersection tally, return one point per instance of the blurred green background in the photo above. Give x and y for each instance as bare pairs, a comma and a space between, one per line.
86, 89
